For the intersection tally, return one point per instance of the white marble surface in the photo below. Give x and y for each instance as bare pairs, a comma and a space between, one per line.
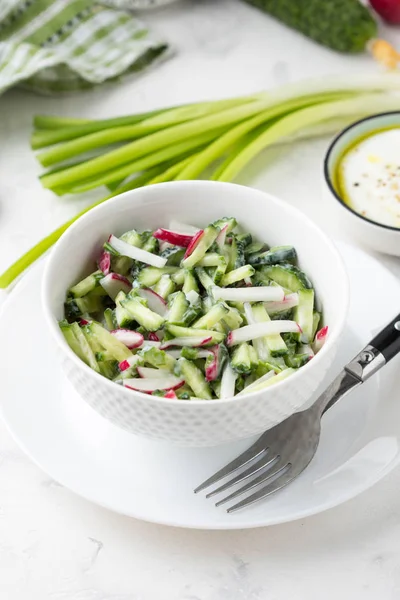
54, 545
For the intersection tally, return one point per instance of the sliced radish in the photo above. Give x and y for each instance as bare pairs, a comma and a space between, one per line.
228, 382
320, 339
149, 373
136, 253
155, 302
248, 294
195, 342
105, 262
183, 228
173, 237
288, 302
114, 283
83, 322
131, 339
171, 394
165, 246
192, 296
174, 353
153, 337
306, 349
213, 369
169, 382
130, 362
151, 344
221, 237
257, 330
194, 243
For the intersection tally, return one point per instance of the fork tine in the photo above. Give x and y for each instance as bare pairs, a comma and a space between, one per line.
278, 467
243, 459
252, 470
266, 490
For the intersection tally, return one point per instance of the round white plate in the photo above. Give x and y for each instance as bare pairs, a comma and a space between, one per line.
154, 481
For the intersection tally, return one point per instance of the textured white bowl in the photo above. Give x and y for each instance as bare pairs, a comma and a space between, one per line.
376, 236
197, 423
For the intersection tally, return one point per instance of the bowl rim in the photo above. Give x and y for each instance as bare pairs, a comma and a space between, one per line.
85, 219
328, 178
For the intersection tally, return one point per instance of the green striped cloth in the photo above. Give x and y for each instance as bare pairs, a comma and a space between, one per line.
65, 45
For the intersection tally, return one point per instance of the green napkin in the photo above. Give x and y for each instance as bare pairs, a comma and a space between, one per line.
65, 45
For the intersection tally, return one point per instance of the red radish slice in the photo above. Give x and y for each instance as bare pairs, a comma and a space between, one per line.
136, 253
228, 382
105, 262
171, 394
195, 342
114, 283
153, 337
130, 362
83, 322
183, 228
193, 244
257, 330
248, 294
389, 10
131, 339
320, 339
173, 237
169, 382
149, 373
306, 349
220, 239
151, 344
288, 302
213, 369
155, 302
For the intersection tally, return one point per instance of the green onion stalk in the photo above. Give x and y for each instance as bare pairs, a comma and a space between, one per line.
213, 139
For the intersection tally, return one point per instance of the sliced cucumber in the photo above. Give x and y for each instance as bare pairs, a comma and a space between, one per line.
245, 239
242, 360
179, 277
255, 248
316, 320
288, 276
157, 358
204, 242
133, 238
143, 315
214, 315
86, 285
229, 222
277, 254
109, 319
123, 318
304, 314
71, 339
149, 276
89, 304
178, 305
190, 282
164, 286
177, 331
295, 361
237, 275
194, 378
275, 343
151, 245
86, 350
174, 255
206, 281
233, 317
119, 351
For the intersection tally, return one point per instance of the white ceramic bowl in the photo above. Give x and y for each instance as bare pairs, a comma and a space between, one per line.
197, 423
377, 236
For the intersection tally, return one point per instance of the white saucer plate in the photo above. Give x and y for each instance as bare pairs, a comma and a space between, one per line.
153, 481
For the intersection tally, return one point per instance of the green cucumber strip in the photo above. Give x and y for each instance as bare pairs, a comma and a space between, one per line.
151, 245
206, 240
190, 283
89, 304
304, 314
149, 276
288, 276
86, 350
229, 222
214, 315
110, 343
275, 343
143, 315
109, 319
178, 305
104, 356
179, 277
177, 331
316, 320
204, 278
212, 259
71, 339
194, 378
276, 379
164, 286
241, 360
133, 238
277, 254
237, 275
233, 317
86, 285
157, 358
122, 316
92, 341
255, 248
295, 361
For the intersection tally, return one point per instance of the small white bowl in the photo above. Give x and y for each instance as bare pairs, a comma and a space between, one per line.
376, 236
212, 422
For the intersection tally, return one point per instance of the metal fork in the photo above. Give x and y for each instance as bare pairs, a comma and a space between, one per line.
283, 452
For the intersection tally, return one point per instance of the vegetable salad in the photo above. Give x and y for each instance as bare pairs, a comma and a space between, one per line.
190, 313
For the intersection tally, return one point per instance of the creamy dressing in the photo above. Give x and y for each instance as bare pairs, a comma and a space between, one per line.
368, 177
